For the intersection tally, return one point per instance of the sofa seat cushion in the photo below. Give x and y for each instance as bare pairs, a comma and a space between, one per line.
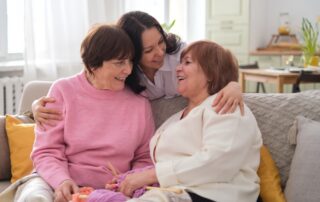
4, 185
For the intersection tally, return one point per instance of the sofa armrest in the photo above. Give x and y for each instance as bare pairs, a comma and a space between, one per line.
5, 168
32, 91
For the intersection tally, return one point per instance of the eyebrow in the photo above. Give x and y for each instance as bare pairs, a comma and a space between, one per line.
161, 38
187, 57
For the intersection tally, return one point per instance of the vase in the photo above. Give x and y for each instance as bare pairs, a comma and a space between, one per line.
309, 60
314, 61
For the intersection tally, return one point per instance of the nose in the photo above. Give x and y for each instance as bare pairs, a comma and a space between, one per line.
128, 68
179, 67
160, 50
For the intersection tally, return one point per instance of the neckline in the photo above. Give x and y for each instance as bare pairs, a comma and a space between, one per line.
97, 93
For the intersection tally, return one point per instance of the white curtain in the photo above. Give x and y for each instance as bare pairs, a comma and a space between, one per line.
54, 30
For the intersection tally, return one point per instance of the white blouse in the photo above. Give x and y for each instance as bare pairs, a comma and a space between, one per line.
165, 80
215, 156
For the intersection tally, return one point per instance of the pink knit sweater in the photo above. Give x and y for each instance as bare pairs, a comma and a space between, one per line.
98, 127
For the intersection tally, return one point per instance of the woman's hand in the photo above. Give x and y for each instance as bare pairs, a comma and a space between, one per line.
137, 180
65, 190
42, 115
228, 99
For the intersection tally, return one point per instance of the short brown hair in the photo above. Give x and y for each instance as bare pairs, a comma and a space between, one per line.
217, 63
103, 43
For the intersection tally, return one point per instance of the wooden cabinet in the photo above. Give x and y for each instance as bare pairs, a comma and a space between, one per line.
227, 12
227, 23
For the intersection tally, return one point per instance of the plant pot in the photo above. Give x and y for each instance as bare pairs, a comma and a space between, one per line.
310, 60
314, 61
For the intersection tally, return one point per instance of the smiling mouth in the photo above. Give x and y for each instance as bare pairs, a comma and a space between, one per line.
181, 78
122, 79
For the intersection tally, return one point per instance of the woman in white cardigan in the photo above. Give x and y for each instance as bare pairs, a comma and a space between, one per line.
206, 155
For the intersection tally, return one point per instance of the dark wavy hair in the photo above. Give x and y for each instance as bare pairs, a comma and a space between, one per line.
107, 42
218, 64
134, 23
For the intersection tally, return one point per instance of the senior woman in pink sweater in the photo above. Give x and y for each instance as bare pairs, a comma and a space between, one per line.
105, 121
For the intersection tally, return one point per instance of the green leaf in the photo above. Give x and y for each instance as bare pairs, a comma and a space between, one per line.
167, 27
310, 36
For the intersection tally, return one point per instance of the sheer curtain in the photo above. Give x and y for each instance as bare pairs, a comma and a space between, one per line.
54, 30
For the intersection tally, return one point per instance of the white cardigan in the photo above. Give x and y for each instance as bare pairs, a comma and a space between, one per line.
215, 156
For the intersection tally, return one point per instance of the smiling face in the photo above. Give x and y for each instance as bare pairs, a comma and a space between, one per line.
154, 49
111, 75
192, 82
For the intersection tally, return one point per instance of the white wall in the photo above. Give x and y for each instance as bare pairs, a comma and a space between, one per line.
257, 27
264, 17
196, 18
104, 11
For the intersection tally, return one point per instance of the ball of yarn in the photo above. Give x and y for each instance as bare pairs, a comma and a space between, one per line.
103, 195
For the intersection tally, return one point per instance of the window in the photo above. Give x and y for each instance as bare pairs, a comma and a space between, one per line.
154, 7
164, 11
12, 29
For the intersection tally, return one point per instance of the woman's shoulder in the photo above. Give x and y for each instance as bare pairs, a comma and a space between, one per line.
66, 82
134, 97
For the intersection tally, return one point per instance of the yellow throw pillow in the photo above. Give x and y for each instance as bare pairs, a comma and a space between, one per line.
270, 185
20, 138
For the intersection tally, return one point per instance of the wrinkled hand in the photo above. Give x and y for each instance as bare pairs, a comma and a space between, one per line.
64, 192
228, 99
137, 180
42, 115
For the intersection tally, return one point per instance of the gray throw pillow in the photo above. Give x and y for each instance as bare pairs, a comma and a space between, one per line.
304, 177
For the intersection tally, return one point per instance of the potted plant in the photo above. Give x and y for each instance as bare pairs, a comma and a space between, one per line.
310, 35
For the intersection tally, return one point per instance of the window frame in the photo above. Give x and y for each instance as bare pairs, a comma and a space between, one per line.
4, 54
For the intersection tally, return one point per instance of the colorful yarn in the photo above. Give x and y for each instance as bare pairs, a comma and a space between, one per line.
138, 192
104, 195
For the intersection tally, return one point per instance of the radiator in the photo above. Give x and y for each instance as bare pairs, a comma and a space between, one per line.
10, 94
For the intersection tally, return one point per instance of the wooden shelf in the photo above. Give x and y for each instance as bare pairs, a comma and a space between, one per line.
276, 52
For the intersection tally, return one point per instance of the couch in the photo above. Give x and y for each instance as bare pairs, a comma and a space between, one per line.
275, 114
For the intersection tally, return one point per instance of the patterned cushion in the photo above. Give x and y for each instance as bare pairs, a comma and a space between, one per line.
275, 115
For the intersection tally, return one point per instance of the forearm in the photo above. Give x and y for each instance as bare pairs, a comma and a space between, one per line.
48, 156
152, 176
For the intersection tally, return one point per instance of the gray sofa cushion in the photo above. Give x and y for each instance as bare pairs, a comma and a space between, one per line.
304, 181
164, 108
275, 115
